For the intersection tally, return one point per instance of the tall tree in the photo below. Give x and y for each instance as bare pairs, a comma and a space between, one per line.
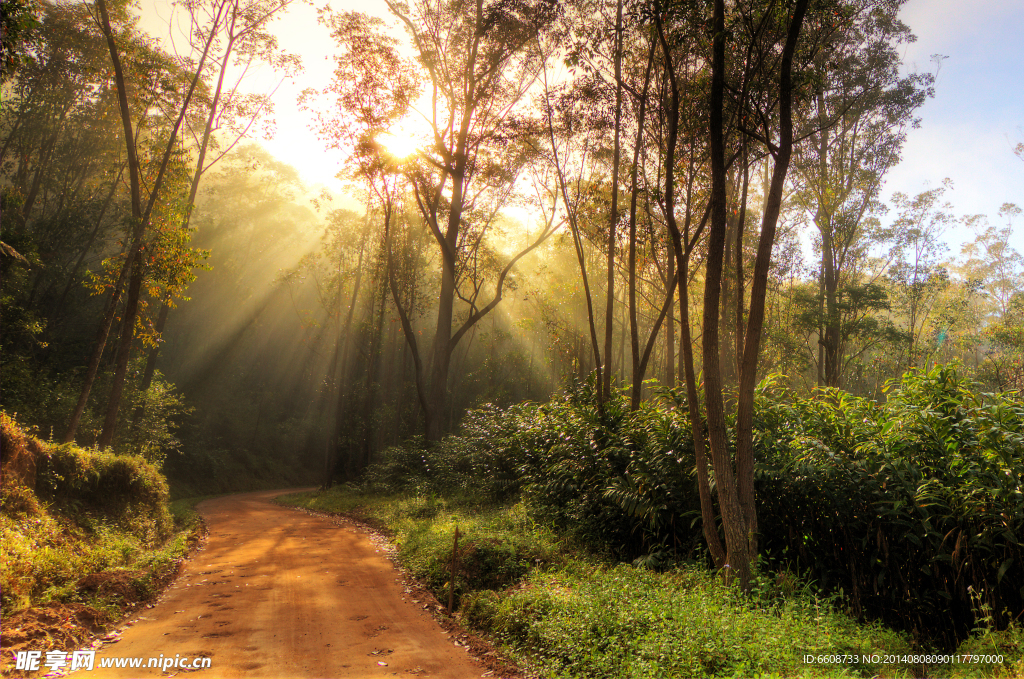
613, 217
479, 61
133, 268
476, 61
855, 126
240, 40
768, 87
919, 274
992, 260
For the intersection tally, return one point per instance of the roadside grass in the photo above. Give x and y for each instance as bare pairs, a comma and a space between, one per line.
598, 620
349, 501
85, 527
44, 557
184, 513
560, 611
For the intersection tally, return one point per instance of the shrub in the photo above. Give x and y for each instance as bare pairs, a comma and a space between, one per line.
905, 507
99, 511
123, 488
585, 620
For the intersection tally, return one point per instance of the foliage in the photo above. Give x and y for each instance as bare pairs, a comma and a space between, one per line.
621, 483
81, 512
903, 508
18, 25
122, 489
151, 424
561, 613
588, 620
150, 421
1004, 363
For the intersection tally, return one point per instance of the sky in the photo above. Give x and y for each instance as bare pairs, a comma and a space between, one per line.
967, 131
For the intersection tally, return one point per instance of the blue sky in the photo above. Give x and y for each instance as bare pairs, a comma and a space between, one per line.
969, 129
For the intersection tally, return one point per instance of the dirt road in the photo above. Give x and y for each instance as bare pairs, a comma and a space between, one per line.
280, 593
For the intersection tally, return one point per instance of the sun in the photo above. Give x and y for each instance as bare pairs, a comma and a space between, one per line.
400, 145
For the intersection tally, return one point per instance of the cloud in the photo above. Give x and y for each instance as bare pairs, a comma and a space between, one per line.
969, 129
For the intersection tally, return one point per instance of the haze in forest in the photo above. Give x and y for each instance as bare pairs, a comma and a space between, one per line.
222, 251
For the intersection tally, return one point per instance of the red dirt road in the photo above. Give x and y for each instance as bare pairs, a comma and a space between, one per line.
280, 593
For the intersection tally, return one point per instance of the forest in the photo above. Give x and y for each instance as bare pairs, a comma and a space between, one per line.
629, 262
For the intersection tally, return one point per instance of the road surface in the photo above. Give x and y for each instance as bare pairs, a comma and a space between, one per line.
277, 592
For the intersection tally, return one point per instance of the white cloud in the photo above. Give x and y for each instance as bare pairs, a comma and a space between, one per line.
969, 129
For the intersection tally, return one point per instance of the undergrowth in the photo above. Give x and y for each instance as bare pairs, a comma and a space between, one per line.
562, 611
68, 513
909, 509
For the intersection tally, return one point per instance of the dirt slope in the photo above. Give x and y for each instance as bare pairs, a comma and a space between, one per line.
280, 593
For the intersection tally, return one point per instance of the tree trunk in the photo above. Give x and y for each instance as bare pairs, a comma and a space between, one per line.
341, 374
372, 369
670, 336
830, 339
634, 334
140, 219
97, 354
59, 306
738, 555
124, 351
726, 348
44, 159
613, 219
759, 286
581, 260
686, 368
740, 226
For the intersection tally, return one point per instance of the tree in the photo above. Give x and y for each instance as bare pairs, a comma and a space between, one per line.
855, 126
1003, 366
918, 276
777, 54
992, 260
18, 26
240, 39
478, 61
133, 269
682, 249
572, 206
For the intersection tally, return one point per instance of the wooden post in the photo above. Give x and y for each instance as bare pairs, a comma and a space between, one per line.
451, 579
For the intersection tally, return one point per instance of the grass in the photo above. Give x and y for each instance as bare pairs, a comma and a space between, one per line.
44, 557
82, 512
184, 513
599, 620
561, 612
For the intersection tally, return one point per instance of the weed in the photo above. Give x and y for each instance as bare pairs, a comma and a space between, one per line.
563, 613
100, 514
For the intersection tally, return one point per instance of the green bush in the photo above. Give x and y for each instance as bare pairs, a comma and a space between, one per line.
902, 507
496, 548
586, 620
122, 488
622, 484
905, 507
72, 512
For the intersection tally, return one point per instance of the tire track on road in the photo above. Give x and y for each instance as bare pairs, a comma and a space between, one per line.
282, 593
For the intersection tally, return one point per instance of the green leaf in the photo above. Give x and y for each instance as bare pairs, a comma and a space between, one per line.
1003, 568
